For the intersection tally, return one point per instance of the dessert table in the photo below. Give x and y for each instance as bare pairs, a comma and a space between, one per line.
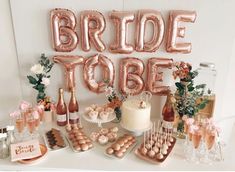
95, 159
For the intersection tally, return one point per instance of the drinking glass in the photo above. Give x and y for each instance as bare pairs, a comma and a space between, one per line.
209, 140
19, 123
196, 140
31, 124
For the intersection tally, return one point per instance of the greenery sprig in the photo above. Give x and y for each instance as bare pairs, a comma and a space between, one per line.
41, 80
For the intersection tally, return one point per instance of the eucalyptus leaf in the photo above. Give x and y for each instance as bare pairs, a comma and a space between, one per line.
32, 80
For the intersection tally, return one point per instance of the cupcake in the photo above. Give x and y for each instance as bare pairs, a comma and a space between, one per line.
94, 106
114, 129
112, 136
88, 109
104, 115
109, 110
103, 139
99, 109
104, 131
93, 115
94, 136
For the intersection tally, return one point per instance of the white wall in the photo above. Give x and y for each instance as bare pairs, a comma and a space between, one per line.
212, 37
10, 89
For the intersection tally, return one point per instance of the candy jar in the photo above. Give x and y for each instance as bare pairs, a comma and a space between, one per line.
10, 135
4, 151
207, 76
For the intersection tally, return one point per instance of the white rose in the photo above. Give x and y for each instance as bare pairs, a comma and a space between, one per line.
45, 81
37, 69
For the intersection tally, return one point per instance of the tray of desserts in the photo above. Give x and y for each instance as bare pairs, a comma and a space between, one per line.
99, 114
77, 139
55, 140
121, 147
104, 135
156, 146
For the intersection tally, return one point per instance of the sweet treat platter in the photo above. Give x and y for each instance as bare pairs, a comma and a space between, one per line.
98, 120
54, 139
78, 140
156, 146
154, 160
105, 135
44, 151
121, 147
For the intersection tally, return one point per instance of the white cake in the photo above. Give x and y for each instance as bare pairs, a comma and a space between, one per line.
134, 117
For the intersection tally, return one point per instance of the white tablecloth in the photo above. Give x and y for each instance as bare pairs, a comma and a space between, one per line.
95, 159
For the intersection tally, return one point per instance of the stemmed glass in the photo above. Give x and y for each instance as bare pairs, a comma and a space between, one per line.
31, 124
20, 124
196, 139
210, 137
36, 116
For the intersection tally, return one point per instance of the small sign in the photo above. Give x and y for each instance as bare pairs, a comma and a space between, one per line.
25, 150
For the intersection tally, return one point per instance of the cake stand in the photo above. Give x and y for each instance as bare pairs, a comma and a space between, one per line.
137, 132
98, 120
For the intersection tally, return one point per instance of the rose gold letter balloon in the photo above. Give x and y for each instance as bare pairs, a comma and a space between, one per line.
130, 74
175, 31
155, 77
121, 19
63, 23
89, 73
69, 63
144, 17
92, 25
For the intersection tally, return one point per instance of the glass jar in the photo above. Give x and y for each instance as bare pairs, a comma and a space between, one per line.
4, 151
10, 135
207, 75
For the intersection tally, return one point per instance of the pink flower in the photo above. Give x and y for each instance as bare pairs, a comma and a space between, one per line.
40, 108
190, 121
35, 114
184, 118
24, 105
45, 81
53, 107
193, 128
15, 113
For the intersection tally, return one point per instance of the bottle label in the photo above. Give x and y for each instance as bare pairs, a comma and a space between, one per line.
73, 116
61, 118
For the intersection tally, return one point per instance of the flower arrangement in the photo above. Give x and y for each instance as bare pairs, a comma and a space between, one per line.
115, 100
187, 94
47, 104
41, 79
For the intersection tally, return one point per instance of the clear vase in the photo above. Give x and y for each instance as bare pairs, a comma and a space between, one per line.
180, 129
48, 116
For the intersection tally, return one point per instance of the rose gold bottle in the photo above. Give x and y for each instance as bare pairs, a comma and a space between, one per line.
168, 110
61, 109
73, 108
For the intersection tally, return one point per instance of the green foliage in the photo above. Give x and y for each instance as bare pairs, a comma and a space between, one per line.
32, 80
118, 112
36, 80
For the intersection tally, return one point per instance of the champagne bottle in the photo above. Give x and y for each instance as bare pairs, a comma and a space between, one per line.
73, 108
168, 110
61, 109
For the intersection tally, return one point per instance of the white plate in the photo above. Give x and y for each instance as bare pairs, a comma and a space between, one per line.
48, 145
126, 153
71, 146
